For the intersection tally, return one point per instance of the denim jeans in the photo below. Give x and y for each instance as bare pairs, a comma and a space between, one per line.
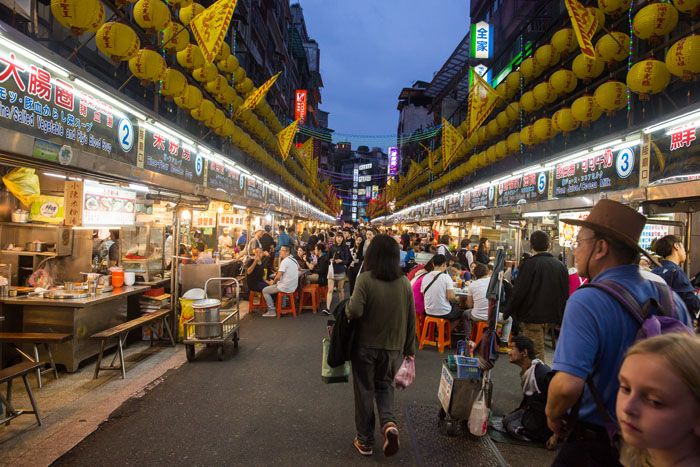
373, 373
268, 292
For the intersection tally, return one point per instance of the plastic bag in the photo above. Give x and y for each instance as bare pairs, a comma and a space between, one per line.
406, 374
24, 184
479, 416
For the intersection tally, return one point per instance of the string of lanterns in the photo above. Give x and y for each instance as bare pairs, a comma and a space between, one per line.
225, 81
645, 78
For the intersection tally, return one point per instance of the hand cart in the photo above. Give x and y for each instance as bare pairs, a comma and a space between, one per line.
457, 396
227, 328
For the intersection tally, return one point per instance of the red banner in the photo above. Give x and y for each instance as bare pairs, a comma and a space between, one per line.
300, 106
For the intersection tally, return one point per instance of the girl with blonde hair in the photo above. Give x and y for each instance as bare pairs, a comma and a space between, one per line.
658, 403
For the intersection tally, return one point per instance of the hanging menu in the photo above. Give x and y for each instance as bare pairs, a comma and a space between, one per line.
35, 102
273, 197
108, 205
254, 189
483, 197
224, 178
165, 155
439, 208
286, 201
607, 171
522, 189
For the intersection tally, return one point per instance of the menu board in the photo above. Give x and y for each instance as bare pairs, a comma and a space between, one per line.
675, 156
254, 189
568, 232
607, 171
426, 210
439, 208
35, 102
165, 155
105, 205
523, 189
286, 201
483, 197
224, 178
204, 219
273, 197
455, 203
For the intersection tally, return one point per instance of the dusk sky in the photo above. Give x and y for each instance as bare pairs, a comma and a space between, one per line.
371, 49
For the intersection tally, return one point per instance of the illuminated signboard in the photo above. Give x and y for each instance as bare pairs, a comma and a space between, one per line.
393, 160
300, 106
482, 70
482, 40
108, 205
608, 170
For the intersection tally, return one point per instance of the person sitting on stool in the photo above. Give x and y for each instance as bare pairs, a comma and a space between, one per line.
286, 280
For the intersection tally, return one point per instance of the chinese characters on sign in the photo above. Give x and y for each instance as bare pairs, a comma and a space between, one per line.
482, 42
682, 137
522, 189
108, 205
604, 171
166, 155
73, 203
393, 160
300, 106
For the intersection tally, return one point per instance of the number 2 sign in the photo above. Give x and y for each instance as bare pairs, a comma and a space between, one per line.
126, 134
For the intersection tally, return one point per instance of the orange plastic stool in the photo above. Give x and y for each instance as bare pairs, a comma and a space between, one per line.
291, 308
254, 305
309, 298
322, 292
477, 330
443, 327
420, 319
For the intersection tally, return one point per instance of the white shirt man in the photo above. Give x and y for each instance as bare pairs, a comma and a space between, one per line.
477, 291
286, 280
225, 240
436, 296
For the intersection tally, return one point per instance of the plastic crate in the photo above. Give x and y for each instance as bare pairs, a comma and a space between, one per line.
467, 367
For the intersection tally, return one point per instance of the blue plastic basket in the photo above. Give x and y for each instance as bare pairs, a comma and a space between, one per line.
467, 367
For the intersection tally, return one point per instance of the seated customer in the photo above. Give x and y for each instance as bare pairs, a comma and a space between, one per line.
479, 304
439, 293
319, 270
528, 421
255, 271
286, 280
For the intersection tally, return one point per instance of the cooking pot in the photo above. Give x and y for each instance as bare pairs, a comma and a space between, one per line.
207, 311
36, 246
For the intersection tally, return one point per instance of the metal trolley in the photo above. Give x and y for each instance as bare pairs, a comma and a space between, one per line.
227, 328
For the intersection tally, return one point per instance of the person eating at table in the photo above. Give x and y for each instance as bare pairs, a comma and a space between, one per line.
255, 270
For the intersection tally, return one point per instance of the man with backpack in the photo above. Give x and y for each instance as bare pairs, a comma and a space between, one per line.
601, 321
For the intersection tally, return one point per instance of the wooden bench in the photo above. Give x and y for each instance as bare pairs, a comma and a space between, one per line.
121, 332
36, 338
6, 376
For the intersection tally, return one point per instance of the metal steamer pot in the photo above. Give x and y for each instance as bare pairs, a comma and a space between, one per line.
208, 313
36, 246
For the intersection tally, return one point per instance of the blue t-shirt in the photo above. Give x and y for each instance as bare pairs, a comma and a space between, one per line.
675, 277
596, 333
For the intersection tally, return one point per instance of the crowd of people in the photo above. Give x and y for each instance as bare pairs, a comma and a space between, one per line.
603, 379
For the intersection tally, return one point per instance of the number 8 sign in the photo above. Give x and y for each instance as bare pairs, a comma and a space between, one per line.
126, 134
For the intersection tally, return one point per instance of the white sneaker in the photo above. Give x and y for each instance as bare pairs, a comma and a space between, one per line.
270, 314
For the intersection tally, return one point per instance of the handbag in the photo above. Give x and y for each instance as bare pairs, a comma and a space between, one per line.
329, 375
406, 374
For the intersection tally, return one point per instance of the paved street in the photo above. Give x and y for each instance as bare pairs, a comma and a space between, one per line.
266, 404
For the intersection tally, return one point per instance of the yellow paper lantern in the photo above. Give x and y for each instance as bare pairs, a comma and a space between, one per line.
227, 129
117, 41
481, 160
501, 149
585, 110
544, 93
482, 135
491, 155
599, 15
216, 85
530, 69
238, 75
513, 111
611, 96
513, 142
190, 57
648, 77
586, 68
229, 95
563, 120
245, 86
190, 99
208, 72
502, 91
98, 20
691, 7
147, 65
78, 15
547, 56
563, 82
512, 84
493, 129
527, 136
655, 21
224, 51
187, 13
529, 103
217, 120
614, 7
503, 120
564, 41
613, 47
173, 83
543, 129
683, 58
151, 14
205, 111
228, 65
175, 37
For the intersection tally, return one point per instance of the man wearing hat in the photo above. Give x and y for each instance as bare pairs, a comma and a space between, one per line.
597, 331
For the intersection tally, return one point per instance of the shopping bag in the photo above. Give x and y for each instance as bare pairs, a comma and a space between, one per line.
479, 417
24, 184
329, 375
406, 374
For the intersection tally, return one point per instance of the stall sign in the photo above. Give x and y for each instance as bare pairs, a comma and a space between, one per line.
439, 208
445, 388
168, 156
652, 232
393, 165
254, 189
482, 197
204, 219
568, 232
73, 203
674, 157
300, 105
525, 188
455, 203
285, 201
273, 197
223, 178
108, 205
39, 104
482, 40
425, 210
606, 171
228, 219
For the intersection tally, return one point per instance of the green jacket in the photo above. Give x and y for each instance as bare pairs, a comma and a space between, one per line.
385, 312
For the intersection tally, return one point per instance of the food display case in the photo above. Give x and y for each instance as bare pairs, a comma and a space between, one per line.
142, 251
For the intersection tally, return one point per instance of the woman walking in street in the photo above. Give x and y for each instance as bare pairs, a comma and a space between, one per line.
383, 306
357, 258
340, 258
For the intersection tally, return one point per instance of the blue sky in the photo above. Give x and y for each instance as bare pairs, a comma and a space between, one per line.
371, 49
